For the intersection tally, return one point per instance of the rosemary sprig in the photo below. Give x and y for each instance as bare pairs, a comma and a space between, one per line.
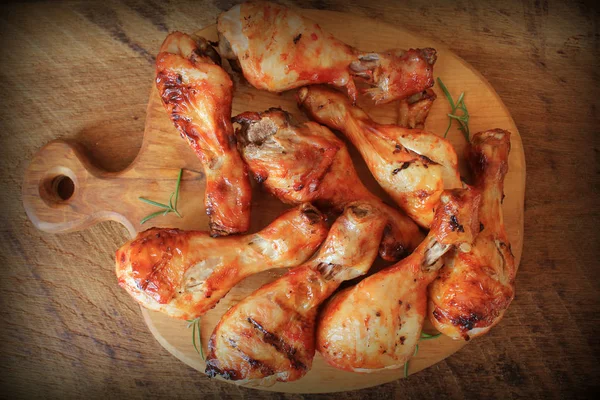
427, 336
463, 119
166, 208
406, 364
424, 336
196, 334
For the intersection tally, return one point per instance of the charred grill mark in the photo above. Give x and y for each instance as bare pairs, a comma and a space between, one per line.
297, 38
278, 344
173, 92
481, 227
328, 270
466, 322
264, 369
230, 374
454, 225
403, 166
212, 370
427, 160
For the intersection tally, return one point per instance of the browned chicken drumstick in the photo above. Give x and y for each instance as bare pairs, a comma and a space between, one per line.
307, 162
475, 288
197, 94
376, 324
412, 165
279, 50
269, 336
185, 273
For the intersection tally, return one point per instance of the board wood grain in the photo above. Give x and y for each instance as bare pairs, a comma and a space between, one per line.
98, 195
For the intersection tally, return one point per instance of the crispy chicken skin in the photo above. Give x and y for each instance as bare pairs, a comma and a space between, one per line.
376, 324
278, 50
197, 94
475, 288
307, 162
269, 336
413, 166
185, 273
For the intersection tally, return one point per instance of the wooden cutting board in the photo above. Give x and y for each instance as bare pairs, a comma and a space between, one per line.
63, 191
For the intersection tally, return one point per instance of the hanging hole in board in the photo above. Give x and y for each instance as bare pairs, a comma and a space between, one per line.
63, 187
58, 186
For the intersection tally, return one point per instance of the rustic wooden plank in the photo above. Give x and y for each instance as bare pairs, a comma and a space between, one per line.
68, 331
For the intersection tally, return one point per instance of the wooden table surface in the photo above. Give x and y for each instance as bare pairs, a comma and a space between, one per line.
83, 71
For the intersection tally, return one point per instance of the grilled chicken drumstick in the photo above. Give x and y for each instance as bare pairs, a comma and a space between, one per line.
412, 165
185, 273
307, 162
278, 50
475, 288
270, 334
376, 324
197, 94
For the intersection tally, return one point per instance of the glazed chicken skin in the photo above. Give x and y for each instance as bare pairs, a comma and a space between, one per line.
475, 288
269, 336
279, 50
197, 94
376, 324
307, 162
413, 166
185, 273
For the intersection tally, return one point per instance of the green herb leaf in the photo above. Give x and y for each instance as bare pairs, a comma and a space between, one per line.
177, 189
463, 119
148, 217
447, 93
427, 336
170, 208
154, 203
197, 334
406, 364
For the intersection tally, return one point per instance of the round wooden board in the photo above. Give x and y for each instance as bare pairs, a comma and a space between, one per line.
487, 111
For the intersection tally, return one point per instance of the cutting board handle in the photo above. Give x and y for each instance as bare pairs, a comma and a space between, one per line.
63, 192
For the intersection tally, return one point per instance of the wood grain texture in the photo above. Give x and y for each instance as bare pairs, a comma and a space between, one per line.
80, 71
